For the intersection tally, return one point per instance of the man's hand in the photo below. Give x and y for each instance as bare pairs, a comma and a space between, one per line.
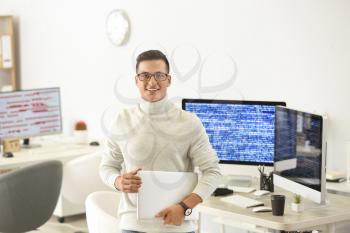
173, 215
129, 182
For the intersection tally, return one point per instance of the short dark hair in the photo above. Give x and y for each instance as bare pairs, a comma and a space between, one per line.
152, 55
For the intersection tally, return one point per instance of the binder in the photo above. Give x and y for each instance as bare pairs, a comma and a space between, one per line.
6, 51
0, 53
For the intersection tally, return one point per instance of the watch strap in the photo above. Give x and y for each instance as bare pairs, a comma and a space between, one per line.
184, 206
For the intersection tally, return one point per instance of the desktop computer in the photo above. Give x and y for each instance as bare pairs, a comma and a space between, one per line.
30, 113
241, 132
299, 161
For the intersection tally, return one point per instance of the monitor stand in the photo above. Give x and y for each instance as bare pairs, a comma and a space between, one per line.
27, 145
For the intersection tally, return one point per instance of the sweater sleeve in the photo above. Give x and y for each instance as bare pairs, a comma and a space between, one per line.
111, 164
204, 157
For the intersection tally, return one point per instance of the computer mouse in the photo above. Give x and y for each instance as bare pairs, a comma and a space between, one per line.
262, 209
261, 192
94, 143
8, 155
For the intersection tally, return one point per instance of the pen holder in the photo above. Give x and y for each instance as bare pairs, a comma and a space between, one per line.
266, 182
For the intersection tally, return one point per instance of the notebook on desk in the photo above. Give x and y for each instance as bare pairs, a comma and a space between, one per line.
160, 190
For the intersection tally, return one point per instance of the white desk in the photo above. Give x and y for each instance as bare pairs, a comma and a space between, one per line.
325, 217
339, 188
62, 151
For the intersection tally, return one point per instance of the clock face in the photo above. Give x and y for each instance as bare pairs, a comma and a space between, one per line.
117, 27
188, 212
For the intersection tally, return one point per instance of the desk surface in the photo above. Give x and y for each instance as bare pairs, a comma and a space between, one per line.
50, 151
337, 210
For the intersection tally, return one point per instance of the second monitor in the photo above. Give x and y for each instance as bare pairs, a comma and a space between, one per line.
29, 113
241, 132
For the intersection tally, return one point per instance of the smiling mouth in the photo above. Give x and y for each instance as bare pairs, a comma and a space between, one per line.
152, 89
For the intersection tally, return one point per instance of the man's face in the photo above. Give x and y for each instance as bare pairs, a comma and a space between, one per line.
152, 90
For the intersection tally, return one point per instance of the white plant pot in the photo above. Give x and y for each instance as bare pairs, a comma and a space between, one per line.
81, 136
298, 207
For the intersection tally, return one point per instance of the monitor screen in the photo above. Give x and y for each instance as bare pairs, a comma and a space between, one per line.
241, 132
298, 147
30, 113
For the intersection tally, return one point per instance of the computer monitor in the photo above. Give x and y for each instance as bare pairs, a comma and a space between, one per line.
300, 153
30, 113
241, 132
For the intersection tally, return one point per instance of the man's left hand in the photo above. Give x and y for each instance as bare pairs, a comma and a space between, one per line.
173, 215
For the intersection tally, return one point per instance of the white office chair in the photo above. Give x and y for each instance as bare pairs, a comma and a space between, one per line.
80, 178
101, 212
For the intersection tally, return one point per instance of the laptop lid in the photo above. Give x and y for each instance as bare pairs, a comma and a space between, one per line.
161, 189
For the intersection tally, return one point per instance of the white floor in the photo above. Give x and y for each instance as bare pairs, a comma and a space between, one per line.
73, 224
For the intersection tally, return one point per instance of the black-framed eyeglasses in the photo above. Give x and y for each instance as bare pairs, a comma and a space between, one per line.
158, 76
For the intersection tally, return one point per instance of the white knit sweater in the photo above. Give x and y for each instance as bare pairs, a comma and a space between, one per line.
160, 137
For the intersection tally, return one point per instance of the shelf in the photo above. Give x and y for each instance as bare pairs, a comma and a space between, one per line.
6, 68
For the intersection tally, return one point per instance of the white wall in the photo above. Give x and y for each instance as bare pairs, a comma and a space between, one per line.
297, 51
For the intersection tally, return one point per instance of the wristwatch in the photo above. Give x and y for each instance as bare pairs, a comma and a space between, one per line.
187, 210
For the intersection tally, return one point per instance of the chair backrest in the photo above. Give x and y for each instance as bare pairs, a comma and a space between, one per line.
28, 196
84, 172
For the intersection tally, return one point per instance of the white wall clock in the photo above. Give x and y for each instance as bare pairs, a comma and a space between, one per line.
117, 27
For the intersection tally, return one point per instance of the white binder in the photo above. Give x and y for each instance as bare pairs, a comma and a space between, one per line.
160, 190
6, 51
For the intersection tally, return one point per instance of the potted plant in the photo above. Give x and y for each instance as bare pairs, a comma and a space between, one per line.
80, 132
297, 205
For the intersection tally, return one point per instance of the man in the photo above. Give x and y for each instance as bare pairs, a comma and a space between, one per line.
155, 135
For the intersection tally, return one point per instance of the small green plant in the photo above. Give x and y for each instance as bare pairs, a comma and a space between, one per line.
297, 198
